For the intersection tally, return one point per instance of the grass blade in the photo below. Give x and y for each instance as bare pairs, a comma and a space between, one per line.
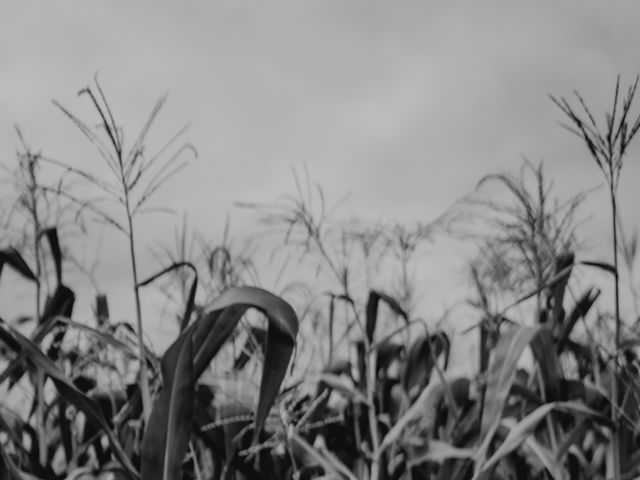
56, 251
438, 451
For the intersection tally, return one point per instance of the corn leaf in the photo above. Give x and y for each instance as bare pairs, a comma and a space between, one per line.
580, 310
87, 405
56, 251
372, 311
523, 429
502, 371
11, 257
423, 408
210, 331
281, 338
190, 305
167, 435
544, 351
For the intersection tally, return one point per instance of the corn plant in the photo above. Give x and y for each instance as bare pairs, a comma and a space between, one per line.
135, 178
608, 148
526, 233
384, 403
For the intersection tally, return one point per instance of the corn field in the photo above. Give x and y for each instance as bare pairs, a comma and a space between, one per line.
305, 382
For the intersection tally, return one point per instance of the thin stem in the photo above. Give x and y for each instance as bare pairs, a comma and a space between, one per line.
373, 420
39, 377
40, 417
33, 207
615, 444
144, 379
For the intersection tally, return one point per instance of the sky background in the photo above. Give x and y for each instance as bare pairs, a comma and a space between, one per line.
402, 105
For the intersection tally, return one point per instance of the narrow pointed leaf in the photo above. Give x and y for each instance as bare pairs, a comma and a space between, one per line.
192, 291
11, 257
564, 262
580, 310
210, 331
56, 251
372, 311
607, 267
502, 371
544, 352
281, 338
438, 451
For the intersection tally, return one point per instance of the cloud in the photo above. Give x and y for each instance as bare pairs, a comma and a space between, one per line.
404, 104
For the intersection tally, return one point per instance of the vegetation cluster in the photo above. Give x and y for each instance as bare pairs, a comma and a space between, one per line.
312, 382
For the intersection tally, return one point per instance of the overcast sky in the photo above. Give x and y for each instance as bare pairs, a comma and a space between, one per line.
404, 105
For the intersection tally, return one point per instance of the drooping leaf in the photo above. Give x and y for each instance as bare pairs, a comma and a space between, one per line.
372, 311
281, 338
189, 307
256, 340
166, 437
210, 331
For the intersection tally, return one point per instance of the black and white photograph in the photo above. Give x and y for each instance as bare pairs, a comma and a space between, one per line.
319, 239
